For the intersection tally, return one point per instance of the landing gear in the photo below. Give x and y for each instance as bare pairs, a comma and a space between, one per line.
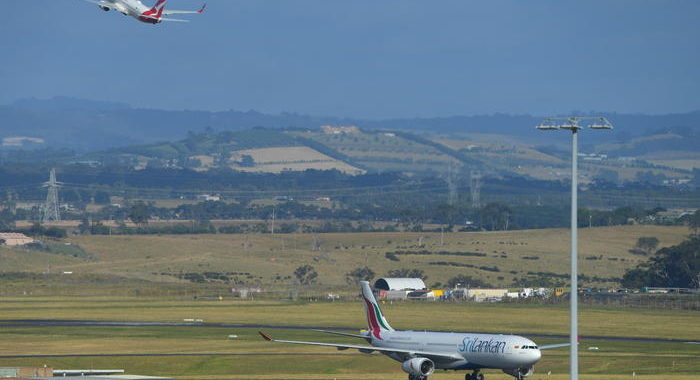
474, 376
411, 377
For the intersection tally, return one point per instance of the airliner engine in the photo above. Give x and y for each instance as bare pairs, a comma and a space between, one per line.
519, 373
418, 367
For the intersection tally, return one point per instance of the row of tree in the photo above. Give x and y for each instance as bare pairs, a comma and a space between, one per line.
677, 266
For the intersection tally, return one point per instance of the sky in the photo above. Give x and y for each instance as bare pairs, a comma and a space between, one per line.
361, 58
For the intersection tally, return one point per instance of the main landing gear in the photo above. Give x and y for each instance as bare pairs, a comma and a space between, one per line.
476, 375
411, 377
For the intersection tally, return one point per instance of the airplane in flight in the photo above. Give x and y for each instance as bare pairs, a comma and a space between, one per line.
141, 12
422, 352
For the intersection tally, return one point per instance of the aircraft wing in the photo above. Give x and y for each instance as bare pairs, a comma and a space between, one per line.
173, 19
98, 2
549, 346
435, 356
343, 334
176, 12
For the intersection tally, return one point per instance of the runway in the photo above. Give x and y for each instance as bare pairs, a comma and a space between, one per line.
90, 323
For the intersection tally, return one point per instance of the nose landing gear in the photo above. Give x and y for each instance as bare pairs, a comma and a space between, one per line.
476, 375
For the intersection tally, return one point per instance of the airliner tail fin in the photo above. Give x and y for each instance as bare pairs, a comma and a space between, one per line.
375, 319
157, 10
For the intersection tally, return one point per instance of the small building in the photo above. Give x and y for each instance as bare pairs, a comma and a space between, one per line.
208, 197
19, 372
398, 288
14, 238
387, 283
340, 130
478, 294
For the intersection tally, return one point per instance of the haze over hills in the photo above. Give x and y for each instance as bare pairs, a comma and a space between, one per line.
87, 125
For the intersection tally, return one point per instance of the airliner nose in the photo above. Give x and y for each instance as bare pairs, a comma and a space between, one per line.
536, 355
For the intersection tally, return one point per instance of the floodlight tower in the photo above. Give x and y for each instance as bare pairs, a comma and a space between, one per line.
51, 211
574, 124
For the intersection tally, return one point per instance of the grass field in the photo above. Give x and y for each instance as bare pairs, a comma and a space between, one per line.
264, 260
495, 318
263, 360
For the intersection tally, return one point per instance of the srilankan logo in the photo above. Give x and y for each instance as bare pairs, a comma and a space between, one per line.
480, 345
374, 319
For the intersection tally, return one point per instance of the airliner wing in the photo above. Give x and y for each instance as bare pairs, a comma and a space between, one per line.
548, 346
173, 19
435, 356
343, 334
98, 2
176, 12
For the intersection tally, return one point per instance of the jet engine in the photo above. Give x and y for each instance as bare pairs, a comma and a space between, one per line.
104, 8
418, 367
520, 373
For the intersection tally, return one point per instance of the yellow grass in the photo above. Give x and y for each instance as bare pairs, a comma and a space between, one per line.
275, 160
266, 257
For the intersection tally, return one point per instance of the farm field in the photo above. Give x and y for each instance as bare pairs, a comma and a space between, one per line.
497, 258
249, 357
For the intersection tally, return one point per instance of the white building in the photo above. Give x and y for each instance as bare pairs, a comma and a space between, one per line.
397, 288
12, 238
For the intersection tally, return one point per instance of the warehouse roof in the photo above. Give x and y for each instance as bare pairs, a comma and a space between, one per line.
385, 283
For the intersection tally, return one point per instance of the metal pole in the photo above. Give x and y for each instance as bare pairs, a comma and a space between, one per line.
574, 255
572, 124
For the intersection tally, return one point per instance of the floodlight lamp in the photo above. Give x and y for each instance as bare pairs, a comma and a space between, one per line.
600, 126
546, 127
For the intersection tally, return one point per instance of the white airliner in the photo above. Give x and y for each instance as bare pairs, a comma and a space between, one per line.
141, 12
422, 352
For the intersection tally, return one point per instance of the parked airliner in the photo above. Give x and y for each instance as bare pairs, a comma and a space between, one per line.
141, 12
422, 352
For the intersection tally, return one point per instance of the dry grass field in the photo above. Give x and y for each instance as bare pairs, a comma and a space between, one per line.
264, 260
276, 160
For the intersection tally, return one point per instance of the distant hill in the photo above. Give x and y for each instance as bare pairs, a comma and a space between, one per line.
86, 125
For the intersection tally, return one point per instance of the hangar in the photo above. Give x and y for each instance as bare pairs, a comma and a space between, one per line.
389, 284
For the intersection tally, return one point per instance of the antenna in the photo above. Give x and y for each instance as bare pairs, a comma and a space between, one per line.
51, 209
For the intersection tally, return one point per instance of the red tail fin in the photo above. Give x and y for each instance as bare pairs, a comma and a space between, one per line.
157, 9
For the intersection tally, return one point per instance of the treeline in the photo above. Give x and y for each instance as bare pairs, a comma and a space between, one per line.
677, 267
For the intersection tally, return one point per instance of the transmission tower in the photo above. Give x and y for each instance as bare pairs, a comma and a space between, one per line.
51, 211
451, 184
475, 187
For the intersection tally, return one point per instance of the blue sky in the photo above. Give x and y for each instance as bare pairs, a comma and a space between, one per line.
359, 58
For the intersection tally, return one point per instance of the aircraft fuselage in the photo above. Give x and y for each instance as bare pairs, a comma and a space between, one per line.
478, 350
